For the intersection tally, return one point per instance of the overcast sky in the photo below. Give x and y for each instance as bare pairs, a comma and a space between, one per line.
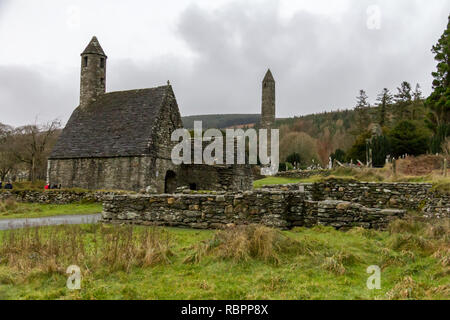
215, 53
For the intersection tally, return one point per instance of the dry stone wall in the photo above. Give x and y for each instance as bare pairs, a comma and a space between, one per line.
54, 196
336, 203
273, 208
397, 195
303, 174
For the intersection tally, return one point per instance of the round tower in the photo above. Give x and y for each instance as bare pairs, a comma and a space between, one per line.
93, 72
268, 101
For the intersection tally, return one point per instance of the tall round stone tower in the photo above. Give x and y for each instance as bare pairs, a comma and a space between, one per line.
268, 101
93, 72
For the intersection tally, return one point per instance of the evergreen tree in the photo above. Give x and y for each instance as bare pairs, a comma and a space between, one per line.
385, 100
408, 138
418, 93
362, 111
439, 101
380, 149
338, 155
359, 149
294, 158
417, 103
403, 98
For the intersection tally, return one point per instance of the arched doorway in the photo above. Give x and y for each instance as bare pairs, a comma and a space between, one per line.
170, 182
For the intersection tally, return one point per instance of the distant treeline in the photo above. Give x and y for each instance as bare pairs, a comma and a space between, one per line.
221, 121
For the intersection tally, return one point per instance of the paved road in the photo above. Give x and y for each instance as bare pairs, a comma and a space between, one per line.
48, 221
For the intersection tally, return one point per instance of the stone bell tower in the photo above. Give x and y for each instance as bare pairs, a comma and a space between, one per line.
93, 72
268, 101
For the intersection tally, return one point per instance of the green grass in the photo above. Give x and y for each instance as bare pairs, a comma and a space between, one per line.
442, 186
274, 180
326, 264
28, 185
35, 210
440, 183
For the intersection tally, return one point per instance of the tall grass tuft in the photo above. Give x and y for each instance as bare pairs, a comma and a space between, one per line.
242, 243
52, 250
338, 261
406, 289
9, 204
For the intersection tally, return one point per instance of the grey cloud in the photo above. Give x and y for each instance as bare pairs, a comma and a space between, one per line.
319, 62
3, 4
26, 96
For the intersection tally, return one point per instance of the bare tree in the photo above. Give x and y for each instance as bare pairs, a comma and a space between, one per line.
7, 160
33, 144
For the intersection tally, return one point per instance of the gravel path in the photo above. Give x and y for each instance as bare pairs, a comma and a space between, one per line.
8, 224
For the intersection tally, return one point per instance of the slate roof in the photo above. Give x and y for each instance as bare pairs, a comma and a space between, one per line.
116, 124
94, 47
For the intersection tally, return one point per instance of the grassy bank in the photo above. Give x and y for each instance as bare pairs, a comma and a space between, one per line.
10, 209
240, 263
274, 180
440, 183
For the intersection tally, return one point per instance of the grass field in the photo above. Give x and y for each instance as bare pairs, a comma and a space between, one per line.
240, 263
274, 180
10, 209
440, 183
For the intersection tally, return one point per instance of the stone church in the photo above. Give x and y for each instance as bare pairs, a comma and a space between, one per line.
121, 140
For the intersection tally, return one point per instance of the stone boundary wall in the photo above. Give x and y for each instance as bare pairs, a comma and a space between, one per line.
303, 174
278, 209
54, 196
399, 195
343, 215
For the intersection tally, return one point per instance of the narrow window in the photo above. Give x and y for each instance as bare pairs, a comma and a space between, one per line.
85, 61
102, 63
102, 81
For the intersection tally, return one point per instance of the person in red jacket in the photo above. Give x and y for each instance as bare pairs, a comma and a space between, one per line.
47, 187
